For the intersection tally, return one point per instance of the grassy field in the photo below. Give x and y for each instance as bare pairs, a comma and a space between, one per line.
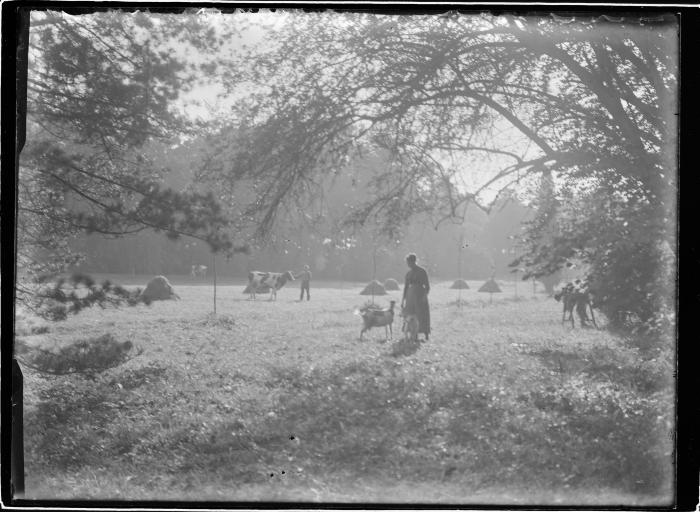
280, 401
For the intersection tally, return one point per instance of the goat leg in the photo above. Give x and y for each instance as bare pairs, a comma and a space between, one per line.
571, 315
592, 315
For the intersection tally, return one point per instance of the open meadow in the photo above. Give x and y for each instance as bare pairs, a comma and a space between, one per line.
279, 401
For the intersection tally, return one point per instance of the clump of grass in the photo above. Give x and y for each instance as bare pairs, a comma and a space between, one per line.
213, 320
134, 378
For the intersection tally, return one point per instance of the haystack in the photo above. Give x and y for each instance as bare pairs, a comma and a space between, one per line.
391, 284
460, 284
158, 288
374, 288
490, 286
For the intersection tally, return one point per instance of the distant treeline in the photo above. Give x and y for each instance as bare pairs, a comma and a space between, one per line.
332, 253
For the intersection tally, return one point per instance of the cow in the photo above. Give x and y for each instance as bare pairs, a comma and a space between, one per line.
199, 270
576, 295
273, 280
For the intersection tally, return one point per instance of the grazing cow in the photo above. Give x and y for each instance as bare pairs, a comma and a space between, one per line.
576, 295
374, 316
273, 280
199, 270
410, 326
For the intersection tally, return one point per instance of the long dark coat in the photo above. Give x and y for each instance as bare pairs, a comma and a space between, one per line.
415, 292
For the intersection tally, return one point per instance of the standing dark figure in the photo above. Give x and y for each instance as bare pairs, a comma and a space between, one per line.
305, 283
415, 295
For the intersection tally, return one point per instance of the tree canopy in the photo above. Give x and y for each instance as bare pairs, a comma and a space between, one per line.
586, 103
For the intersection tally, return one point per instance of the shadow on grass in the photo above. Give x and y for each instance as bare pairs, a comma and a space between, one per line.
604, 363
404, 347
382, 420
68, 427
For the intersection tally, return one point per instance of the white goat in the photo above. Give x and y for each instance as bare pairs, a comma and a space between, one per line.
373, 316
410, 326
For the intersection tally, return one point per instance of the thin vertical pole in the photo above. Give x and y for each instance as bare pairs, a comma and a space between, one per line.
459, 271
374, 269
213, 266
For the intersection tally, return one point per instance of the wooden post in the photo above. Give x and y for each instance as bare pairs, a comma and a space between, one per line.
17, 452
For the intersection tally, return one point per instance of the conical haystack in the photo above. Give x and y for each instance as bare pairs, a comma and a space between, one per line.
391, 284
374, 288
158, 288
460, 284
490, 286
